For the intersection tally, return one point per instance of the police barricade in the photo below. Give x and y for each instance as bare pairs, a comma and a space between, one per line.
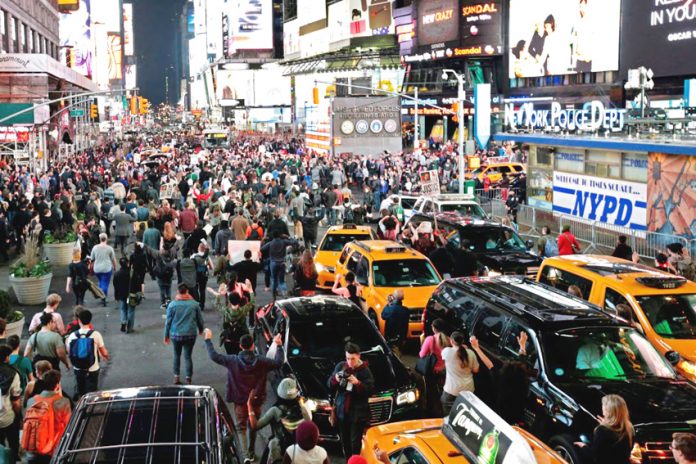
526, 220
657, 243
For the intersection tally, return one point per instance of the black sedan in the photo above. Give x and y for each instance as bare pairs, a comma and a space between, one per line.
315, 331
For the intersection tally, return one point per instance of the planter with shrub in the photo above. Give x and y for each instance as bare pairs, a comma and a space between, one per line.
14, 318
58, 247
30, 276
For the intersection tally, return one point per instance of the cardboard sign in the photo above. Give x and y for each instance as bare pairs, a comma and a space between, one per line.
483, 436
429, 182
236, 249
167, 191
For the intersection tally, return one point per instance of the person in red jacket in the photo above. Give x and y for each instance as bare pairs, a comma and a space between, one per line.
567, 243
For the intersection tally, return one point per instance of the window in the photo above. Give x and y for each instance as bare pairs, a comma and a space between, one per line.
344, 255
408, 203
635, 167
603, 164
511, 346
616, 304
408, 455
428, 208
561, 280
361, 274
353, 262
489, 328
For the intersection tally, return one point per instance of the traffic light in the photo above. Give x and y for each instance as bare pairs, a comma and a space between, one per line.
143, 105
134, 105
94, 111
315, 95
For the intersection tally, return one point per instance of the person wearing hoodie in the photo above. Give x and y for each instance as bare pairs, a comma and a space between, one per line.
306, 450
184, 319
353, 383
246, 372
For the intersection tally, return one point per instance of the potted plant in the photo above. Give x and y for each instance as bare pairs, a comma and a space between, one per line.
30, 276
14, 318
58, 246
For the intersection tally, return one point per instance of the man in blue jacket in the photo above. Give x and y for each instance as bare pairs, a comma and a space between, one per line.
246, 375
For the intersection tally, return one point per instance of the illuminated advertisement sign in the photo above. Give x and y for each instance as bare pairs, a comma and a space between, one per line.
251, 25
115, 56
482, 26
76, 36
438, 22
128, 29
131, 76
655, 32
554, 37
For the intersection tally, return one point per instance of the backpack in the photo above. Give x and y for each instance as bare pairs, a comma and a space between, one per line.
254, 234
550, 247
201, 268
82, 351
42, 428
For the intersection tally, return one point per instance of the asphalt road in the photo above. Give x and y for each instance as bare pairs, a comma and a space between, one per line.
141, 358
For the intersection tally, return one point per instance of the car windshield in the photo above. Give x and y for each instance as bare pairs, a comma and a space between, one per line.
609, 353
671, 316
491, 239
473, 210
404, 273
336, 242
327, 338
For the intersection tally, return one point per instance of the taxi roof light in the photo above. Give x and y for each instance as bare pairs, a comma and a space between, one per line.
349, 226
664, 283
395, 249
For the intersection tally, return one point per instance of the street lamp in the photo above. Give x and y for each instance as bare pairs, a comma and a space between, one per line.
461, 96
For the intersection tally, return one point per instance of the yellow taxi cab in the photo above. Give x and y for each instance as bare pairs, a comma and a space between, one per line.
381, 267
661, 305
473, 433
495, 171
330, 249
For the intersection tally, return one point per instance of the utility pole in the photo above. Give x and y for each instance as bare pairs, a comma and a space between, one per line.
416, 144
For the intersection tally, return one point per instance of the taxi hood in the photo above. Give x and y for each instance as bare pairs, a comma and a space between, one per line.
414, 297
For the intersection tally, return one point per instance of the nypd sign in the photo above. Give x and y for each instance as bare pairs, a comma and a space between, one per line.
593, 116
613, 202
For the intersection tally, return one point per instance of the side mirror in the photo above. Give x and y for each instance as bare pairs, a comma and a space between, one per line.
529, 244
673, 357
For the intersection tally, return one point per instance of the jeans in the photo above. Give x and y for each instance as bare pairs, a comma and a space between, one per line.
127, 313
331, 215
104, 279
277, 277
351, 431
165, 288
121, 240
447, 401
266, 272
245, 434
187, 346
79, 295
11, 434
85, 382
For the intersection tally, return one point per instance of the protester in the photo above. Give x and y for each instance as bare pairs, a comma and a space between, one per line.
103, 263
622, 249
396, 319
21, 364
184, 319
460, 366
86, 348
567, 243
77, 277
306, 450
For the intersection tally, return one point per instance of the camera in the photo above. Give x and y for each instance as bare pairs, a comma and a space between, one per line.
343, 379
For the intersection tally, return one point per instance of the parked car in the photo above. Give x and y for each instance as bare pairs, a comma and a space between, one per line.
315, 331
576, 354
172, 424
499, 249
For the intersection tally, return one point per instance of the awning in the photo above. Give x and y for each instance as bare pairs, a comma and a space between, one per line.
335, 62
18, 63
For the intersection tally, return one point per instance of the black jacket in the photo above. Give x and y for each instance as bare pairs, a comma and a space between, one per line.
353, 404
121, 284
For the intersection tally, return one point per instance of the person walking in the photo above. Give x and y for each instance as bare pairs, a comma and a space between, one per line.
103, 260
47, 345
246, 384
10, 386
435, 378
240, 225
305, 275
86, 348
123, 228
52, 303
306, 449
396, 319
277, 251
247, 269
460, 366
684, 448
567, 243
353, 384
77, 277
622, 249
122, 285
184, 319
546, 245
19, 362
612, 441
352, 290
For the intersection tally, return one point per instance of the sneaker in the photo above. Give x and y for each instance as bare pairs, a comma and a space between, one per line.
188, 380
123, 327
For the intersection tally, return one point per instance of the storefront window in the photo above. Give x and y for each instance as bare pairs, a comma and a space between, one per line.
635, 167
570, 161
603, 164
540, 177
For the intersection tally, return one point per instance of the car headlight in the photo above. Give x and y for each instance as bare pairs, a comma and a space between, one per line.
317, 405
407, 397
687, 367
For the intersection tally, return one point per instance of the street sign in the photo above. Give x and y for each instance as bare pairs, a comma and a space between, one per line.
77, 113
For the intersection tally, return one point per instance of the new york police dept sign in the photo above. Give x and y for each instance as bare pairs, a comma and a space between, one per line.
592, 117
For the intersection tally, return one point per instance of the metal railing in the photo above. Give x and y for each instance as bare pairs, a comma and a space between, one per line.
595, 237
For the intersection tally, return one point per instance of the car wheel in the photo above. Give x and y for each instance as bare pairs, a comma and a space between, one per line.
563, 445
373, 317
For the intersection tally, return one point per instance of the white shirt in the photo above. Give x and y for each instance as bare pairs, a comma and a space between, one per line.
458, 379
316, 455
98, 343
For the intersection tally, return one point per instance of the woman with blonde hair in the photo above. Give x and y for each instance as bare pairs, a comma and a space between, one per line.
77, 277
168, 236
305, 275
612, 442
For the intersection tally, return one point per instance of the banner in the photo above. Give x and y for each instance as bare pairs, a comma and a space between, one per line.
115, 58
554, 37
611, 201
236, 249
429, 182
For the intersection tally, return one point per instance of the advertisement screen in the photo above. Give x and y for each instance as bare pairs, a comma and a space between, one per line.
654, 33
76, 34
482, 26
128, 29
553, 37
234, 85
131, 76
251, 25
115, 51
438, 21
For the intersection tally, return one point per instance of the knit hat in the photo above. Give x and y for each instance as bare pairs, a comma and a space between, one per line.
287, 389
307, 435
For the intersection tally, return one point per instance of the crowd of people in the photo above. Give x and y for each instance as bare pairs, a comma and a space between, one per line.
174, 222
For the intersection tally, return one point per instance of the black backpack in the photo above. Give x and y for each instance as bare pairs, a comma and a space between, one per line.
254, 234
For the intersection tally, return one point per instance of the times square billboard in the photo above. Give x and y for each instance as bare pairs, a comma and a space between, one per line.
248, 26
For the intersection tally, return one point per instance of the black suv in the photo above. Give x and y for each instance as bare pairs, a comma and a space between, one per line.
173, 424
576, 354
315, 331
496, 246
